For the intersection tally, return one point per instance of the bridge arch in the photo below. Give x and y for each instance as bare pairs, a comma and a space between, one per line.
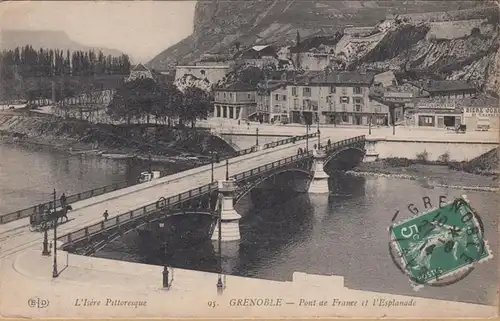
124, 229
248, 188
344, 158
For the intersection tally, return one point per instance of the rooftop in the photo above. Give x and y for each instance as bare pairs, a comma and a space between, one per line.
239, 86
260, 47
443, 85
140, 67
340, 77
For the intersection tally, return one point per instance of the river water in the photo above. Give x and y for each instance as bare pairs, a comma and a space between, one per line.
341, 234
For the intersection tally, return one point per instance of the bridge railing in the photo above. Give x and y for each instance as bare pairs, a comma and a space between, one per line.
134, 214
13, 216
176, 199
19, 214
344, 142
289, 140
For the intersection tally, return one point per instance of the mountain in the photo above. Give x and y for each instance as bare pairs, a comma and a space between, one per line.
10, 39
219, 24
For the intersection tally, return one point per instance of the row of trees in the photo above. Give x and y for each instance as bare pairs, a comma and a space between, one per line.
143, 98
28, 62
26, 73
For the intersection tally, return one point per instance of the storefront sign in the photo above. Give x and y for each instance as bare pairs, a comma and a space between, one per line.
437, 106
481, 111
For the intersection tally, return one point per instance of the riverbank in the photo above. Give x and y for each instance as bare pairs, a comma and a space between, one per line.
138, 141
429, 175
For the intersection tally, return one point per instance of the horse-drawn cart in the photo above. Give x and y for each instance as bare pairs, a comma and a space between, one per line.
41, 221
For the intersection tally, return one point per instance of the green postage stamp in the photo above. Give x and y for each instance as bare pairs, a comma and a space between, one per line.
441, 246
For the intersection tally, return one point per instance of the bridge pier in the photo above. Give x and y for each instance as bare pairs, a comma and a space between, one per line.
230, 227
319, 182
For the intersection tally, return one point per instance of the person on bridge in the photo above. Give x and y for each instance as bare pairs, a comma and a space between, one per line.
329, 142
106, 215
63, 200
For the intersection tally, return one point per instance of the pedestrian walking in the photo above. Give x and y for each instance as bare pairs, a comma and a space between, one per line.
63, 200
329, 142
106, 215
238, 122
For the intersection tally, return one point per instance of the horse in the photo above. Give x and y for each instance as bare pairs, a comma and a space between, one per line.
56, 215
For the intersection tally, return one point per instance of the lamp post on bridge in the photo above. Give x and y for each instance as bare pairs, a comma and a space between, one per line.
220, 285
370, 125
227, 169
55, 273
257, 137
212, 165
317, 120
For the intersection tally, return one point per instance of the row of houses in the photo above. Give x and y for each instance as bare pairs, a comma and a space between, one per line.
356, 98
340, 97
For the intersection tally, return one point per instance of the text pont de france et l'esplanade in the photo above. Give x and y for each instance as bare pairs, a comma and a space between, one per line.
276, 302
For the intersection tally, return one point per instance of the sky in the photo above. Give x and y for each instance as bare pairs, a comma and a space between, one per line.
141, 29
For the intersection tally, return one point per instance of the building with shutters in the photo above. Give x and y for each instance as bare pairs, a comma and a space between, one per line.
331, 98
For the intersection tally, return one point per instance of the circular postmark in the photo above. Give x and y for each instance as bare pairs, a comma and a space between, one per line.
441, 246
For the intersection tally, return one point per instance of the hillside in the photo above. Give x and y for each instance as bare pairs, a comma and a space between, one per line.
218, 24
472, 54
10, 39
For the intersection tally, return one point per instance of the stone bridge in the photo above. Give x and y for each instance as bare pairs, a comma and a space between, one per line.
210, 208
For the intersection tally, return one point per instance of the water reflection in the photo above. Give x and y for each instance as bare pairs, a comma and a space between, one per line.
344, 233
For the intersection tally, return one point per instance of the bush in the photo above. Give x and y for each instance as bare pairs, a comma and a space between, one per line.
423, 156
444, 158
398, 162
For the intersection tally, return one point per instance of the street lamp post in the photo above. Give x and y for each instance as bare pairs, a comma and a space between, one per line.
307, 139
45, 251
227, 169
212, 165
370, 126
55, 273
219, 280
317, 119
257, 137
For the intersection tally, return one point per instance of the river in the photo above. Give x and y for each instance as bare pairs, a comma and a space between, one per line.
341, 234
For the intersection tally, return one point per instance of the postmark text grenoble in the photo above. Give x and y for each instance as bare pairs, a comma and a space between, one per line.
82, 302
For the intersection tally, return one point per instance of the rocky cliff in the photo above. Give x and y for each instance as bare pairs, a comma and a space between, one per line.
220, 24
473, 57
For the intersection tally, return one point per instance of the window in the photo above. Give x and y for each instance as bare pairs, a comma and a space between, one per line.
294, 91
306, 104
296, 103
357, 91
358, 104
277, 97
344, 100
284, 97
333, 89
230, 95
224, 95
248, 96
306, 91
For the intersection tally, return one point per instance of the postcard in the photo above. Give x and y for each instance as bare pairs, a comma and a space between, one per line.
249, 159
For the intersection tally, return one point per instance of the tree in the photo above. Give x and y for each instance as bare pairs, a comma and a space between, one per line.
196, 105
171, 100
135, 99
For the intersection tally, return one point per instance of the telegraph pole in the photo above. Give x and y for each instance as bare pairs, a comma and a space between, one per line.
55, 273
